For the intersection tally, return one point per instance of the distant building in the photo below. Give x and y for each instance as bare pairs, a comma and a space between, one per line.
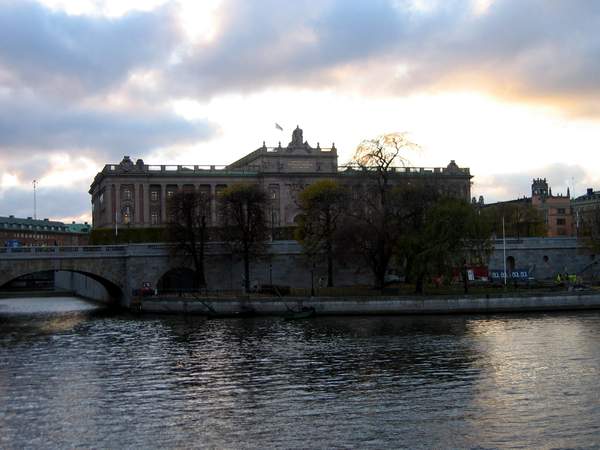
584, 205
136, 194
30, 232
556, 208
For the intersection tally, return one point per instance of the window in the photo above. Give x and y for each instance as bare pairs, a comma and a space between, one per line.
154, 196
170, 194
127, 194
560, 210
561, 221
154, 218
101, 198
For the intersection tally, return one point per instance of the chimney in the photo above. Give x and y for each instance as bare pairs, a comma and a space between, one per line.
590, 192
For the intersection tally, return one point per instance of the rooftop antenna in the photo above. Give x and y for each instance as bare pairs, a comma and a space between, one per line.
34, 200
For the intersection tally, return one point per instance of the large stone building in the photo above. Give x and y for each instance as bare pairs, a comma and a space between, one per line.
136, 194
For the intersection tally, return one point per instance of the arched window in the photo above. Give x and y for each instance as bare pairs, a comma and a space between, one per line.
510, 264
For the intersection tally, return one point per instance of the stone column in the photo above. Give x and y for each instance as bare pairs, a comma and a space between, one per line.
146, 203
213, 204
117, 208
108, 216
136, 206
163, 204
288, 199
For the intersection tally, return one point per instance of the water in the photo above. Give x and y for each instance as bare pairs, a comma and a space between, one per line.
73, 376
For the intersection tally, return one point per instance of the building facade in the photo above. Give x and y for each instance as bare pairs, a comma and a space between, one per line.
557, 211
586, 208
30, 232
136, 194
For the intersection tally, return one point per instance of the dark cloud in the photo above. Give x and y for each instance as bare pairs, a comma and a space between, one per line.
536, 48
78, 55
52, 202
269, 42
104, 134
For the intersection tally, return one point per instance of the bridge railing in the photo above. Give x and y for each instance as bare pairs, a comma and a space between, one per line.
63, 251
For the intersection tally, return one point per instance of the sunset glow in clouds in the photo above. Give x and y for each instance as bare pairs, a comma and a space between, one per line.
509, 88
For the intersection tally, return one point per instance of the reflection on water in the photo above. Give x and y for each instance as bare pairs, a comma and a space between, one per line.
89, 379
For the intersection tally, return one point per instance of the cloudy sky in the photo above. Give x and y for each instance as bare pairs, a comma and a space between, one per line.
509, 88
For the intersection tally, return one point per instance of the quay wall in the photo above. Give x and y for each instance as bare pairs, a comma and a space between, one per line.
545, 257
374, 305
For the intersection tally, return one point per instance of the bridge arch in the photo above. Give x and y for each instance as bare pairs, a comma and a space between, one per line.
177, 279
19, 269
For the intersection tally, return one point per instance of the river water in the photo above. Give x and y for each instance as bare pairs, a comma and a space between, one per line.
74, 376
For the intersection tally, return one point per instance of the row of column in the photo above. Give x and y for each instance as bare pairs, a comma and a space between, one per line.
141, 203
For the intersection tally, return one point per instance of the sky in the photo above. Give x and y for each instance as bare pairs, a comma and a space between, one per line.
508, 88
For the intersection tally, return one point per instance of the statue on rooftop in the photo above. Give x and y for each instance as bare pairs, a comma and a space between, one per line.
297, 140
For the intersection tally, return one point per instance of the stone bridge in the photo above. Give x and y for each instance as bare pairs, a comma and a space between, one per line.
121, 269
118, 268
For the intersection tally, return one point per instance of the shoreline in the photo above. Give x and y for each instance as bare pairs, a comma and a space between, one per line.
380, 305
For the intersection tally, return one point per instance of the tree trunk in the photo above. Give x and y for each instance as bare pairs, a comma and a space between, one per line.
329, 264
246, 269
200, 276
419, 285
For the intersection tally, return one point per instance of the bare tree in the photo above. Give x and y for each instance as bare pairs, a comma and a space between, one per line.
243, 211
187, 228
374, 229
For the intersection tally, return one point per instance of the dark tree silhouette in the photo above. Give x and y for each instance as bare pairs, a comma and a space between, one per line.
244, 225
188, 213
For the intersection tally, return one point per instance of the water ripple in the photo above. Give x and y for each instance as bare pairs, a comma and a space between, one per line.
79, 378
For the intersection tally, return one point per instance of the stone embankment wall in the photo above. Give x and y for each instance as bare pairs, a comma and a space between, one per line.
544, 258
374, 305
285, 264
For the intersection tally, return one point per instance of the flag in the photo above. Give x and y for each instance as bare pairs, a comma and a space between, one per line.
278, 126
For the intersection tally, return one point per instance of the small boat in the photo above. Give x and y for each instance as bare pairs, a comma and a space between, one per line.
246, 311
235, 314
304, 313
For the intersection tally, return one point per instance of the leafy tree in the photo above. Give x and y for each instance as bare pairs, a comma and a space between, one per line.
243, 213
322, 206
186, 228
373, 228
411, 217
449, 234
521, 219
